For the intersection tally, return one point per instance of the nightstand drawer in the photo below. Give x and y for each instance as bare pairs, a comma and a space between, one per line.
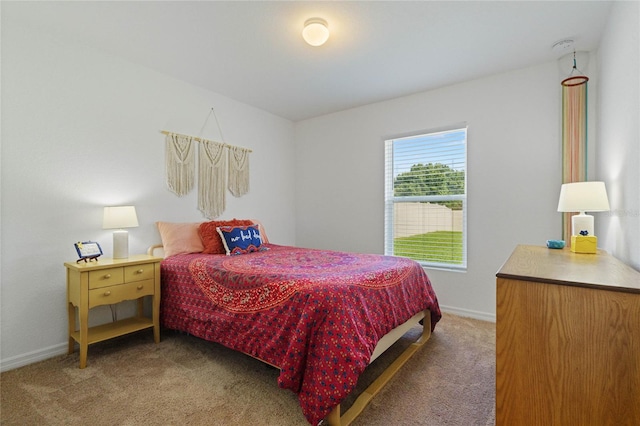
106, 277
139, 272
118, 293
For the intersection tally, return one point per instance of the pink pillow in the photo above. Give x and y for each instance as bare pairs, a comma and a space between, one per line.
180, 238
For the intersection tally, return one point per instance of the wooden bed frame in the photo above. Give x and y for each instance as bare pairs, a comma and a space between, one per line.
335, 418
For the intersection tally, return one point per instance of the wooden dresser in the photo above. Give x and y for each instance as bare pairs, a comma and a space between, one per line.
567, 339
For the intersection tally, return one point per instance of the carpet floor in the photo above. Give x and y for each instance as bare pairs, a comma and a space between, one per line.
185, 380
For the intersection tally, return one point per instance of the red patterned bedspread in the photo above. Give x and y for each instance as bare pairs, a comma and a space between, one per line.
315, 314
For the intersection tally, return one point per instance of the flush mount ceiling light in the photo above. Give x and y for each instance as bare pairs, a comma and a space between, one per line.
563, 46
315, 31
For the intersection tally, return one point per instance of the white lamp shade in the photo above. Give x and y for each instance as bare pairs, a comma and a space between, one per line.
120, 217
315, 31
583, 197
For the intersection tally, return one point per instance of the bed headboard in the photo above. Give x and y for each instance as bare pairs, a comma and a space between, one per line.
156, 250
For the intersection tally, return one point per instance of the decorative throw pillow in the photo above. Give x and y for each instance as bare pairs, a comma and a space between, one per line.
180, 238
211, 238
263, 233
241, 239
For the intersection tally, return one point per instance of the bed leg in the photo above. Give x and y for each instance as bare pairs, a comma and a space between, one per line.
426, 328
333, 419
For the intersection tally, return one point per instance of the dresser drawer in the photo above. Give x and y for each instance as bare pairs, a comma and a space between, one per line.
139, 272
106, 277
118, 293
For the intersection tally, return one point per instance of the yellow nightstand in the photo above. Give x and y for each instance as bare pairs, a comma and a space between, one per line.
106, 282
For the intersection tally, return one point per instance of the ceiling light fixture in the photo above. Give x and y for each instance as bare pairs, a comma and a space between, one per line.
563, 46
315, 31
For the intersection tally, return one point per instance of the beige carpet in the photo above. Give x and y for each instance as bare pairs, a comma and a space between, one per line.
184, 380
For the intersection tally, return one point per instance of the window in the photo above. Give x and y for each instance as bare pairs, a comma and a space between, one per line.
426, 198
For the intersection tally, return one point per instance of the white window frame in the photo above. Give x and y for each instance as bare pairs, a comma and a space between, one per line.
391, 199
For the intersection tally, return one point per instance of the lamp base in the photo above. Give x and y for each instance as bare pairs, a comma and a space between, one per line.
582, 222
580, 244
120, 244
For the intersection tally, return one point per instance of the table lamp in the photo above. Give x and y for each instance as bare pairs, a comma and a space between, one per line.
118, 218
583, 197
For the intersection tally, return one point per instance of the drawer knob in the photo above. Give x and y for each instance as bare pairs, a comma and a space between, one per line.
106, 277
139, 271
140, 287
107, 293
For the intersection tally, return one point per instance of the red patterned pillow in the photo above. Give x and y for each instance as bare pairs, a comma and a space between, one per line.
211, 238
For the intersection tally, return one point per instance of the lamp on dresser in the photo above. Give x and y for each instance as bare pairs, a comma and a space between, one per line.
583, 197
118, 218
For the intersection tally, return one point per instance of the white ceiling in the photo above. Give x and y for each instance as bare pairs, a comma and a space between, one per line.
253, 51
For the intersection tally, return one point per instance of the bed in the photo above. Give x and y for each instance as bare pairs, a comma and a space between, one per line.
319, 316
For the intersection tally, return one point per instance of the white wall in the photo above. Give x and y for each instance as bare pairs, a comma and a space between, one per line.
618, 142
80, 130
514, 173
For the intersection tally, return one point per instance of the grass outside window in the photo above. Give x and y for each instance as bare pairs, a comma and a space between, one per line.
437, 247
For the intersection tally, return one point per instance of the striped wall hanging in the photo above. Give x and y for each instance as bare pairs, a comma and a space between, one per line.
574, 134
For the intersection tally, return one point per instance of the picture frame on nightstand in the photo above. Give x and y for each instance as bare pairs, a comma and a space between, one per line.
88, 250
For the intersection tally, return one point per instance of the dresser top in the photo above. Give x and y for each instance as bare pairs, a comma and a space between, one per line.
541, 264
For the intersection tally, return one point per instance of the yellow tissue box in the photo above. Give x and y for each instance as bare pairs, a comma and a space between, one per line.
583, 244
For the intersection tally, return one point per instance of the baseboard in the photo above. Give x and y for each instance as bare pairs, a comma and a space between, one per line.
484, 316
61, 349
34, 356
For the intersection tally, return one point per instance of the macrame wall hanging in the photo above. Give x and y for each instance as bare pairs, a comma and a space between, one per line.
220, 167
238, 171
180, 164
211, 183
574, 134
